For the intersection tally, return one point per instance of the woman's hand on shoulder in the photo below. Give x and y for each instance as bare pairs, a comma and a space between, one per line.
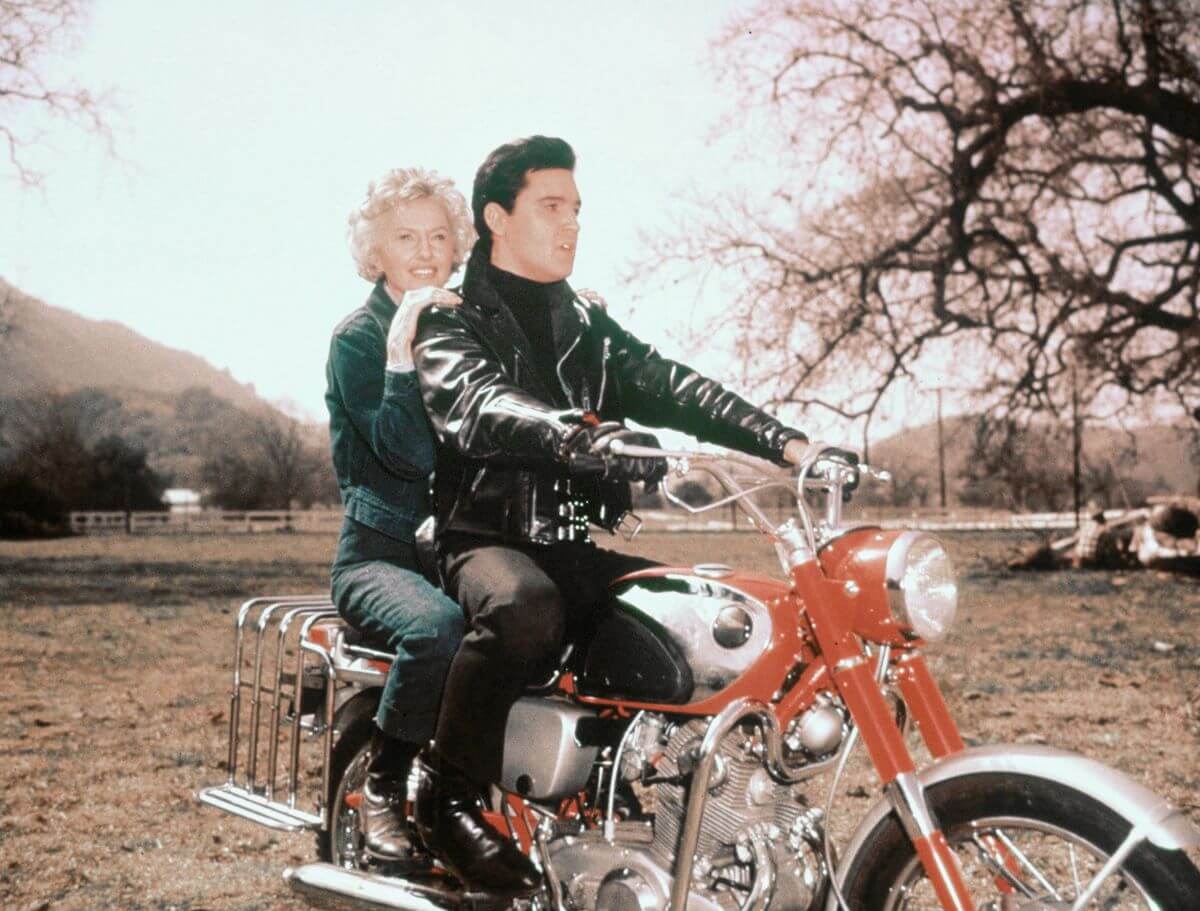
592, 297
404, 323
421, 298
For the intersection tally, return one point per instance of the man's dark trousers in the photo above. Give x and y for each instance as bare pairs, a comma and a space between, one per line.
523, 604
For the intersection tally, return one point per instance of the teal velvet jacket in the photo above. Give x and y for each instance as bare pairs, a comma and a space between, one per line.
383, 448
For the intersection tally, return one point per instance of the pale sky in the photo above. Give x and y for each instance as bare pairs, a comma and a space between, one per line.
247, 131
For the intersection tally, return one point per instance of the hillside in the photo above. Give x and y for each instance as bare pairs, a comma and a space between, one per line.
1162, 463
49, 348
110, 381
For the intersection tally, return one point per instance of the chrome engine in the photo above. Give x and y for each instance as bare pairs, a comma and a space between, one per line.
760, 842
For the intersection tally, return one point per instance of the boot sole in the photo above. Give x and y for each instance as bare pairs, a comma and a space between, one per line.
391, 864
479, 900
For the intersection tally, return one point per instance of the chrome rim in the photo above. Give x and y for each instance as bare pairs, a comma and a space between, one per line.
1047, 868
347, 836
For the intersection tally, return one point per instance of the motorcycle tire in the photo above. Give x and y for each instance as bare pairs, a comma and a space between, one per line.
339, 842
1065, 833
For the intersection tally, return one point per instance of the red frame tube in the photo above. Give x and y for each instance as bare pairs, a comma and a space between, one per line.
830, 620
924, 698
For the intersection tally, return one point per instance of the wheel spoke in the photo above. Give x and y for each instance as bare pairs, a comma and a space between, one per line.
997, 865
346, 840
1027, 864
1074, 867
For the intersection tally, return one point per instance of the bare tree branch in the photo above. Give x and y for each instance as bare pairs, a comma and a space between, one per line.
32, 32
1017, 181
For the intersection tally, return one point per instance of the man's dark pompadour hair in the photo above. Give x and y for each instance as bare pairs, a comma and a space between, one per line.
502, 175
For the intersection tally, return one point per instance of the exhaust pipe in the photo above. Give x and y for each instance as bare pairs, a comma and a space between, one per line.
339, 889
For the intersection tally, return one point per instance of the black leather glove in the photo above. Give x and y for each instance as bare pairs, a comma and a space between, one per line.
627, 468
587, 450
851, 458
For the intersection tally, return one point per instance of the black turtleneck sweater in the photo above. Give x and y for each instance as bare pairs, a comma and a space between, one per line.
529, 302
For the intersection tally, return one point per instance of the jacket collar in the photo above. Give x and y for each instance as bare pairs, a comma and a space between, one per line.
502, 330
381, 306
478, 290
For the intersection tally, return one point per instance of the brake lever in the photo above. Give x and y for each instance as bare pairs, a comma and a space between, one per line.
621, 448
882, 475
677, 463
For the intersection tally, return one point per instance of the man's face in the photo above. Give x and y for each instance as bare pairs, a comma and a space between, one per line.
537, 239
415, 246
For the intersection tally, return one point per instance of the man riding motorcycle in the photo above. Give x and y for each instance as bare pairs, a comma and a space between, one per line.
526, 387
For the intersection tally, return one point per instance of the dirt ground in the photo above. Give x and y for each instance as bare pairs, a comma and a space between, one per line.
114, 683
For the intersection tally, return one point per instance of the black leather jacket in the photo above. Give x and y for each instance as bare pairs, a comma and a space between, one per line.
501, 471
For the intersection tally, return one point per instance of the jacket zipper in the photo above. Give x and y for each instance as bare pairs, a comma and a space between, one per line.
603, 373
558, 370
475, 482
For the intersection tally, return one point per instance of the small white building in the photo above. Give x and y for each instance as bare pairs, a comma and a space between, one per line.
181, 500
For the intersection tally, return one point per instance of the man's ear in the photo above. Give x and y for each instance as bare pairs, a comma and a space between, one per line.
495, 217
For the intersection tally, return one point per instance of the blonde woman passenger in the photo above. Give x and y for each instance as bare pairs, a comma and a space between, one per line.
407, 237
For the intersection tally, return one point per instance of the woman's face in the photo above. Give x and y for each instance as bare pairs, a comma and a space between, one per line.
416, 246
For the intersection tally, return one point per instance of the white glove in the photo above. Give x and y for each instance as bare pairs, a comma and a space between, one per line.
592, 297
404, 323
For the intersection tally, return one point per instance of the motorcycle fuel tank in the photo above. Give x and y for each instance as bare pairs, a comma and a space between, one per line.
672, 639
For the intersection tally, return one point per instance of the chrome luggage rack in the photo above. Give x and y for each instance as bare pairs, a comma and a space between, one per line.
302, 700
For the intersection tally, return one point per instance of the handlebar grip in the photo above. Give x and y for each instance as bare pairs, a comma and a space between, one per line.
585, 463
848, 456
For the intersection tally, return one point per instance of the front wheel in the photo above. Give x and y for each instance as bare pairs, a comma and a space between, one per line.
1023, 843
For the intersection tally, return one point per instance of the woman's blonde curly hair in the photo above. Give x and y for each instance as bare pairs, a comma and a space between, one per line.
393, 189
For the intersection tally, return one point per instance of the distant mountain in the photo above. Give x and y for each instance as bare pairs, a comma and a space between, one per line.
47, 348
1163, 455
176, 406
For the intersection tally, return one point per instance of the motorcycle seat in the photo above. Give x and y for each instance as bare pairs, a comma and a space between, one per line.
356, 638
353, 637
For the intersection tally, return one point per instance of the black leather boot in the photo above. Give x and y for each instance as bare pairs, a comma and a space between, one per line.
449, 820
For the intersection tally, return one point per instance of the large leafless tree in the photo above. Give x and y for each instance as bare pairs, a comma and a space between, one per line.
1004, 192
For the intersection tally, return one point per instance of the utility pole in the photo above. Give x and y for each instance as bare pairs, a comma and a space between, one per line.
1076, 442
941, 451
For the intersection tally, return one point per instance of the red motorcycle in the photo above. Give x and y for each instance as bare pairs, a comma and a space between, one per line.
687, 756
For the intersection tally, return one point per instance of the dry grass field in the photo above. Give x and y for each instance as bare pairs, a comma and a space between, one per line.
113, 686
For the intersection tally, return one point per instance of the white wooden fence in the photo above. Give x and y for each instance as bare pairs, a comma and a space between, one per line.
926, 520
207, 521
216, 521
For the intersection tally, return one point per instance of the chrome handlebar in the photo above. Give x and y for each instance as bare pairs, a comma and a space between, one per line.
826, 469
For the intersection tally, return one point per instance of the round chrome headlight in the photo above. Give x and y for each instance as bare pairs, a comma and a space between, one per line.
921, 584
